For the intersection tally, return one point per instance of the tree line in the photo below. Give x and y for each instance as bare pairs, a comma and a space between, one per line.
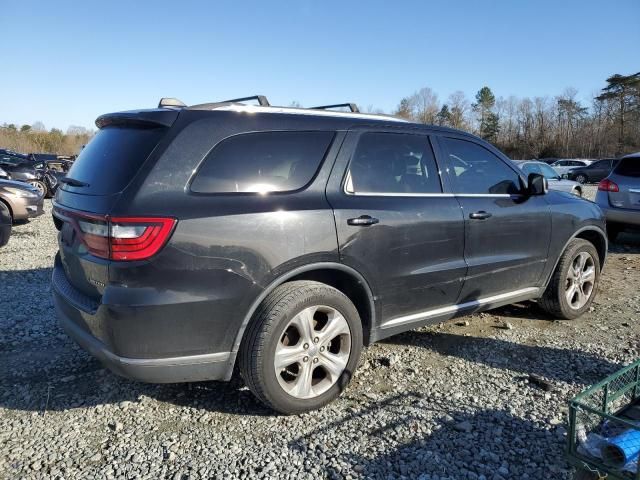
540, 127
36, 139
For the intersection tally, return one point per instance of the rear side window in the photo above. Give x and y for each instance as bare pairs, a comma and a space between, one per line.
112, 158
393, 163
262, 162
629, 167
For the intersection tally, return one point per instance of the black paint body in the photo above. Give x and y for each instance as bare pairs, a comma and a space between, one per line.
181, 315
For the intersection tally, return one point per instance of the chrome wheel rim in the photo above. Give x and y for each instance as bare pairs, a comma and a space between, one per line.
580, 280
39, 186
312, 352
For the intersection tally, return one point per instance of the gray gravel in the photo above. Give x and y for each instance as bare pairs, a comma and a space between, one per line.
468, 399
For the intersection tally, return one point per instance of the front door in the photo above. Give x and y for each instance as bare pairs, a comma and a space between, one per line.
395, 225
507, 233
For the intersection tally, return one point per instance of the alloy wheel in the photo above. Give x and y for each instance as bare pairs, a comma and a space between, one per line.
39, 186
580, 280
312, 352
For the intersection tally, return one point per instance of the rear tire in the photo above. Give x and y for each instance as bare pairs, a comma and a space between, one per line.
574, 282
288, 344
582, 179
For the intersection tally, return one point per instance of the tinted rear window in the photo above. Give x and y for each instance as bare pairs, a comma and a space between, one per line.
629, 167
262, 162
112, 158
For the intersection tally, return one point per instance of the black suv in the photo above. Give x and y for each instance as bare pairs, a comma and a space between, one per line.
192, 239
594, 172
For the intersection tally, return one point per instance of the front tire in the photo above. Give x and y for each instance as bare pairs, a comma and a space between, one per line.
302, 347
574, 282
40, 186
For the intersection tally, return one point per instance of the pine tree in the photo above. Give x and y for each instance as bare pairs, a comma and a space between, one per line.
489, 121
404, 109
444, 116
624, 92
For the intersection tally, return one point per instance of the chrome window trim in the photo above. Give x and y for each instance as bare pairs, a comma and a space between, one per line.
459, 307
634, 190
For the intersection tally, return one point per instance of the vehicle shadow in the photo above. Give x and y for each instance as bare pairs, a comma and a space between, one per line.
438, 440
627, 242
555, 364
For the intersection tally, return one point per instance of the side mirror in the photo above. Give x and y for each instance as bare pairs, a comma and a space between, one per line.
537, 185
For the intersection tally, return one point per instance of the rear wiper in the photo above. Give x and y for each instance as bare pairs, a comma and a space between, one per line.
73, 182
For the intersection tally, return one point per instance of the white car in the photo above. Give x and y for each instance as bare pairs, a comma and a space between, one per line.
563, 166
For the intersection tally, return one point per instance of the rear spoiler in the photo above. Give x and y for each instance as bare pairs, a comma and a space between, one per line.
142, 118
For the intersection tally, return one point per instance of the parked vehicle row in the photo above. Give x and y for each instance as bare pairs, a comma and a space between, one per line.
564, 166
42, 171
286, 239
593, 172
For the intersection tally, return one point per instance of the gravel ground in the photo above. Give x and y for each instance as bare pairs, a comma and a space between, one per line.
452, 401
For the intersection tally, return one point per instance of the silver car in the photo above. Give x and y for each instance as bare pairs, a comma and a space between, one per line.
565, 165
554, 179
619, 196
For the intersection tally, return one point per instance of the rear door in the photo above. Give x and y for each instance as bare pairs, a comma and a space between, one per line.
627, 177
507, 234
395, 225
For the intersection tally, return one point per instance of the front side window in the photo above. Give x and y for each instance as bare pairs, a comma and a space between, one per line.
262, 162
475, 170
393, 163
601, 164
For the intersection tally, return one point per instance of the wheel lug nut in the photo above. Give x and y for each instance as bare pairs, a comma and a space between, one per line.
322, 349
316, 340
306, 346
305, 359
315, 360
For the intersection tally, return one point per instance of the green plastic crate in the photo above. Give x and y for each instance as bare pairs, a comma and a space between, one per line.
603, 402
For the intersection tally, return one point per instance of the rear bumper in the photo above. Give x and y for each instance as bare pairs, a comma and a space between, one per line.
80, 318
622, 216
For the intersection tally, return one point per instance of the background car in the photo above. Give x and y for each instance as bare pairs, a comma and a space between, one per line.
564, 165
21, 200
593, 173
619, 196
554, 179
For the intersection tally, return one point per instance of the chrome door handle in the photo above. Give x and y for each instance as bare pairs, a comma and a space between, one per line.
362, 221
481, 215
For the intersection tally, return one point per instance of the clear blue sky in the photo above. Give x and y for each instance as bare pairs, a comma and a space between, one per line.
64, 63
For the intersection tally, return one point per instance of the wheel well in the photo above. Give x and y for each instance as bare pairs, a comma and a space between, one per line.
351, 287
598, 241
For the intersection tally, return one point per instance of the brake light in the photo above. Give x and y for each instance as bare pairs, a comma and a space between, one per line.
119, 238
138, 238
607, 185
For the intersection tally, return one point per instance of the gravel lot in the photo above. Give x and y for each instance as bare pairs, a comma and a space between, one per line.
452, 401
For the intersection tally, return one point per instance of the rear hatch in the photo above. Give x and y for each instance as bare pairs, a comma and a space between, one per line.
91, 188
625, 191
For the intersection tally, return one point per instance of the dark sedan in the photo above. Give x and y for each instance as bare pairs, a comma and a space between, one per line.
593, 173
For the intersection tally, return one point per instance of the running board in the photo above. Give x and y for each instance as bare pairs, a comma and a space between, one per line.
453, 310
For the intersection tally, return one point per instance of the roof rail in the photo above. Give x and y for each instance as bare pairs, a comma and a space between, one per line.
170, 102
261, 99
352, 106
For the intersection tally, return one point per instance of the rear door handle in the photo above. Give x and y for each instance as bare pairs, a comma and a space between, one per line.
481, 215
362, 221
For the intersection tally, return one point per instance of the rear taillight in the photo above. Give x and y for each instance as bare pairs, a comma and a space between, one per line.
607, 185
137, 238
120, 238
